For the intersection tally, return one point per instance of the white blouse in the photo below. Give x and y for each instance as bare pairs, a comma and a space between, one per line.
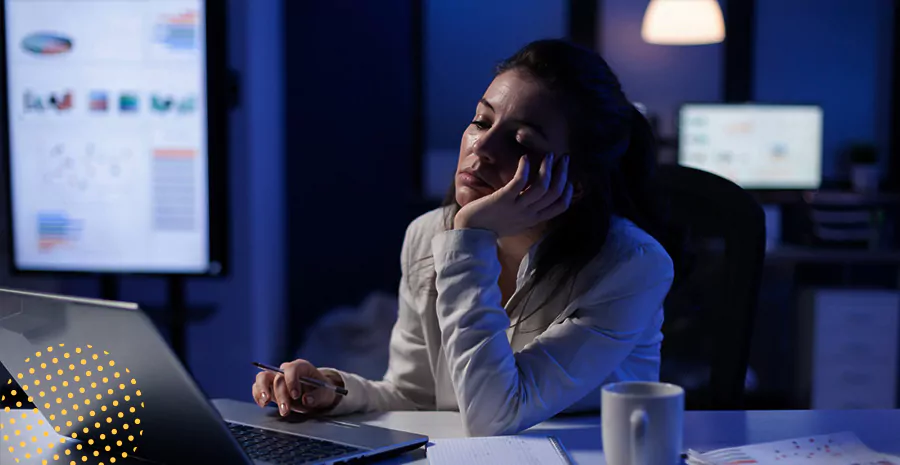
453, 346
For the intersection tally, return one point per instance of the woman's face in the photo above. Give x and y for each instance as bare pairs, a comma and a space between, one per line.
516, 116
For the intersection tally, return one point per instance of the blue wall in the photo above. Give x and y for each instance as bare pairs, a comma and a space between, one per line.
833, 52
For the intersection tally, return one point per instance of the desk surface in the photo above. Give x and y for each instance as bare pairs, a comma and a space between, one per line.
879, 429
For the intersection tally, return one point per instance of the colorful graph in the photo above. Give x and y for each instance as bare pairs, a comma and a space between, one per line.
168, 103
178, 31
60, 101
44, 43
830, 449
174, 153
56, 229
174, 189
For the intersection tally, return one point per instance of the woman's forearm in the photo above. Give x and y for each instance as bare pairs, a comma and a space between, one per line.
500, 391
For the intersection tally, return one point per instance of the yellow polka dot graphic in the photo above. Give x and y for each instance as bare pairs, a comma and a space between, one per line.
109, 427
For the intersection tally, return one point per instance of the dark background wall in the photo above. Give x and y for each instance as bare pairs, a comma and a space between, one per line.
349, 151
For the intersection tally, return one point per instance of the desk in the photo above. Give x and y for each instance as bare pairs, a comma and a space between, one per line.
879, 429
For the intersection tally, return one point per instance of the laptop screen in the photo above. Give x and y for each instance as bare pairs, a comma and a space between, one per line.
100, 376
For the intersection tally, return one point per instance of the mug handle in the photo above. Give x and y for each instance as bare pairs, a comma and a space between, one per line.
639, 421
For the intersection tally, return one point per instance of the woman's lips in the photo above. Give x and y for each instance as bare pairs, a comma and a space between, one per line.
473, 181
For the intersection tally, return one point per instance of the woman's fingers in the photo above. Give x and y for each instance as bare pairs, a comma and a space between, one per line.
315, 397
309, 396
519, 180
541, 185
288, 392
292, 371
281, 394
262, 388
559, 206
557, 186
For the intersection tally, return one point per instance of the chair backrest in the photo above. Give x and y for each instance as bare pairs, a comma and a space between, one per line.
717, 281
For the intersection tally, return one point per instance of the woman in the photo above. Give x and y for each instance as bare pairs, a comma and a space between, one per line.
539, 280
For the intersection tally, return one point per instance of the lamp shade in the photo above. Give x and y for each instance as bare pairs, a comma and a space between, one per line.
683, 22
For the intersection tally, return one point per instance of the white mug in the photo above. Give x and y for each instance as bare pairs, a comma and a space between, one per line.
642, 423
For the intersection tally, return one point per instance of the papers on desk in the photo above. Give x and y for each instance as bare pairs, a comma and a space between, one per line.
502, 450
830, 449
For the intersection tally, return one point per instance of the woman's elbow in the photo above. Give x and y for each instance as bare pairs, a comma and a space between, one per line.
478, 424
504, 415
479, 429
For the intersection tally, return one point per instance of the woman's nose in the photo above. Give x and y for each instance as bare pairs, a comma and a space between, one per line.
489, 147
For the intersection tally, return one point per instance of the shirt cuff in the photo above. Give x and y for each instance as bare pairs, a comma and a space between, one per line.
355, 400
457, 244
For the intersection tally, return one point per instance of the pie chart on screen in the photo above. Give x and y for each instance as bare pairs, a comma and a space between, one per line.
44, 43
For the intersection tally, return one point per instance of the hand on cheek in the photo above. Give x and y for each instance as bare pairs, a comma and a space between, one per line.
525, 201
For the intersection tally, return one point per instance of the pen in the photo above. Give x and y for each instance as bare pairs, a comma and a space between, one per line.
305, 380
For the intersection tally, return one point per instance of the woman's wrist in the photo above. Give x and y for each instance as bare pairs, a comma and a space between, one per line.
459, 222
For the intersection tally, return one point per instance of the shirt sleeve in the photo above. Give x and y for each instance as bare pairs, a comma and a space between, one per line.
408, 383
502, 392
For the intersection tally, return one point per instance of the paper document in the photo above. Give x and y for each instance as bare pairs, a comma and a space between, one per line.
502, 450
829, 449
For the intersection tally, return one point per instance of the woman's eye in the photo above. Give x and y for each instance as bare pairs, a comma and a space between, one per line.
480, 124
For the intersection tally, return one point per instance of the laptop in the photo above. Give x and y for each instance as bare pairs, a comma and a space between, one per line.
103, 383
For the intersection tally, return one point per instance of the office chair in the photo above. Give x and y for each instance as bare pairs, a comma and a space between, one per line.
710, 309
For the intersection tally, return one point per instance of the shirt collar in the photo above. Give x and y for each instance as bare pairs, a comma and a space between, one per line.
526, 266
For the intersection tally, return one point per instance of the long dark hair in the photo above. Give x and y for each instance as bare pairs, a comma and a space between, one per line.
612, 157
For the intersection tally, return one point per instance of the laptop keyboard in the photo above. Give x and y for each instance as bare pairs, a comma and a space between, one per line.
286, 449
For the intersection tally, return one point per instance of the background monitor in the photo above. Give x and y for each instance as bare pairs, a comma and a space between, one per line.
114, 134
766, 147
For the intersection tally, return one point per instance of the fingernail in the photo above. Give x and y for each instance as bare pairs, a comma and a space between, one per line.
295, 394
309, 400
550, 157
283, 409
